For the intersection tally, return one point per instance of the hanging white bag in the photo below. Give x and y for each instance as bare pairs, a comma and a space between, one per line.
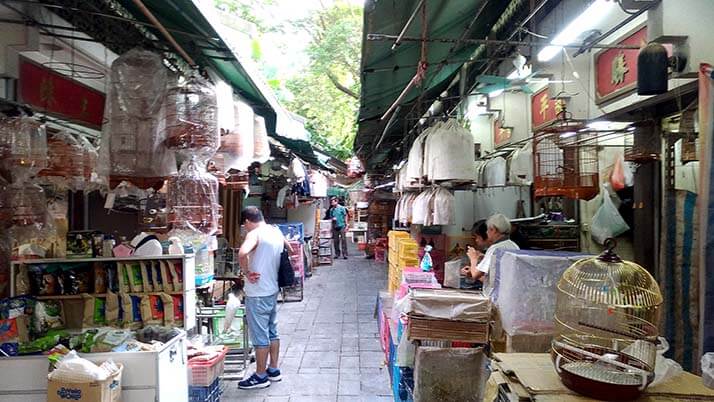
607, 221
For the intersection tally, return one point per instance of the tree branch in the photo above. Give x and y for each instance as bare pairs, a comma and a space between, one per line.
341, 87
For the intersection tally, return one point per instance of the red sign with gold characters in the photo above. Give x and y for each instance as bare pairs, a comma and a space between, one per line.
55, 94
544, 110
616, 69
501, 135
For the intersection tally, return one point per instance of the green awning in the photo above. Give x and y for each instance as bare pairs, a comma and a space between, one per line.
386, 72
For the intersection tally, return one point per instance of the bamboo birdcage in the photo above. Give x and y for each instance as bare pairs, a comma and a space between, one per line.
565, 157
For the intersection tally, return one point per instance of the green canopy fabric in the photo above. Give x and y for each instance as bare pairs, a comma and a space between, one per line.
386, 72
211, 51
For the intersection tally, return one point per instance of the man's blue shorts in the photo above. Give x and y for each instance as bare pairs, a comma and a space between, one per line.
262, 314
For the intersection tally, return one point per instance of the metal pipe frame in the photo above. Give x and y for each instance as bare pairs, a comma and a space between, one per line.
381, 37
148, 14
398, 40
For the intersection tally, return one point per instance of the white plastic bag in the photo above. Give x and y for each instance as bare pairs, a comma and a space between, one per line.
708, 370
231, 308
665, 369
607, 221
74, 369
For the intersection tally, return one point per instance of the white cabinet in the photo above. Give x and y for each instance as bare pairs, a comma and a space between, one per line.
159, 376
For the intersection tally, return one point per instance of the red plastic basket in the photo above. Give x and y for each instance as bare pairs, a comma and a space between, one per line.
204, 372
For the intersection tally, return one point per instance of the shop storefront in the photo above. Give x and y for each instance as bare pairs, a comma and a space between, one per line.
573, 147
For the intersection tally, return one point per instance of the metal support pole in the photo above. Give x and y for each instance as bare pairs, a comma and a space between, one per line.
382, 37
398, 41
147, 13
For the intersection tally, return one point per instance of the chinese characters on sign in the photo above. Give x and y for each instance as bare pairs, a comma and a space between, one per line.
545, 110
52, 93
501, 135
616, 69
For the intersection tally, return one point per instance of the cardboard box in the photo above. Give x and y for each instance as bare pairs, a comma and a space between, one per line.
108, 390
528, 343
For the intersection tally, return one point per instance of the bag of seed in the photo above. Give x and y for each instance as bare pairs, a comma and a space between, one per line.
152, 310
123, 274
47, 315
155, 270
176, 275
136, 282
168, 303
166, 277
112, 309
146, 277
94, 312
178, 310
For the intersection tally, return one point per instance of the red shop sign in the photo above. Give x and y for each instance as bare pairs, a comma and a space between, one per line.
543, 109
616, 69
501, 135
55, 94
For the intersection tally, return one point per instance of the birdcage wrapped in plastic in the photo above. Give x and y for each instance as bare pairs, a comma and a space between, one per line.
24, 147
192, 118
27, 204
89, 156
133, 148
238, 146
192, 200
5, 210
66, 161
261, 149
606, 321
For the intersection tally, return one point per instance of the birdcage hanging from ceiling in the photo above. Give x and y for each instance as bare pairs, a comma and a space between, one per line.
644, 143
566, 161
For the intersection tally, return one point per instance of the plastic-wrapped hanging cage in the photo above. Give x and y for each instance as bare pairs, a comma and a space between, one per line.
133, 146
66, 161
565, 161
192, 119
192, 203
23, 147
606, 322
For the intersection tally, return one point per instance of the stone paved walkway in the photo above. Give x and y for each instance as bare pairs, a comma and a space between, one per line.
330, 347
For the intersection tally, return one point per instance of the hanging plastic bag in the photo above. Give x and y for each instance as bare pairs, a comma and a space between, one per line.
607, 221
617, 178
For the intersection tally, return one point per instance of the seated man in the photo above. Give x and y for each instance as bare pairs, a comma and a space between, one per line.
498, 230
479, 231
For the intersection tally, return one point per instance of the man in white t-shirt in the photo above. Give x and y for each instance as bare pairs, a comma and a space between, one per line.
498, 230
259, 258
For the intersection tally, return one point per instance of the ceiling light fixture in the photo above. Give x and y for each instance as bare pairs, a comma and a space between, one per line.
586, 21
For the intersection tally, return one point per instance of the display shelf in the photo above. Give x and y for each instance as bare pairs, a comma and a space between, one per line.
79, 296
99, 259
188, 271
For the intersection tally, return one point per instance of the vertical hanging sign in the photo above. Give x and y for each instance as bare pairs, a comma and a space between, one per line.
55, 94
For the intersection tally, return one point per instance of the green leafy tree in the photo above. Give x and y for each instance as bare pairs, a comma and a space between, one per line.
326, 91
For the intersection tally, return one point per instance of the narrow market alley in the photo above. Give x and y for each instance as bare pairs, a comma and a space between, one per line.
330, 348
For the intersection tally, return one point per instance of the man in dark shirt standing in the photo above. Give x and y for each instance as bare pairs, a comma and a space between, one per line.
338, 214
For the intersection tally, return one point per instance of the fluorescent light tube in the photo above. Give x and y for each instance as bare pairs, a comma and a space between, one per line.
589, 19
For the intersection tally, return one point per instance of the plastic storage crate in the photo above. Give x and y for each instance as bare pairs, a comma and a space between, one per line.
212, 393
203, 373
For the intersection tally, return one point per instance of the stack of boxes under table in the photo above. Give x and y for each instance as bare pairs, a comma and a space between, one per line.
450, 329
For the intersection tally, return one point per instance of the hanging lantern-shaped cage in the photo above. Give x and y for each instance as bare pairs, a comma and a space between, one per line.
192, 200
191, 119
606, 325
566, 161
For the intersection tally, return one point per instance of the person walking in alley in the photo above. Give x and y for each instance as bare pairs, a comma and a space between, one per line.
338, 214
259, 258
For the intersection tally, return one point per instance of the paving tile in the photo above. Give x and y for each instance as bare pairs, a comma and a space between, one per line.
324, 344
349, 387
371, 359
370, 345
320, 360
332, 398
376, 384
349, 362
277, 399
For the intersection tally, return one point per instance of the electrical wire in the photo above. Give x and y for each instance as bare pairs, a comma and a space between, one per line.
624, 10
